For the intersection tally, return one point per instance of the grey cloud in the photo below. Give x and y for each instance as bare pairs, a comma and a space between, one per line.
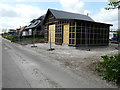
8, 13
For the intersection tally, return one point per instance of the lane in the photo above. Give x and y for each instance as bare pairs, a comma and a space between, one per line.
12, 76
63, 77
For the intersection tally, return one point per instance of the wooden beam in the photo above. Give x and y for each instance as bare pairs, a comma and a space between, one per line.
75, 32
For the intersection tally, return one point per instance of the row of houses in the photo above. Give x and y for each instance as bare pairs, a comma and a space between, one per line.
61, 27
36, 27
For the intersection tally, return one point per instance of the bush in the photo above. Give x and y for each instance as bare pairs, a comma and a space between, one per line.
10, 37
112, 68
4, 36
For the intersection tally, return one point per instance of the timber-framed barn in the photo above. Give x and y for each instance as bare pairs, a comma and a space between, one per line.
73, 29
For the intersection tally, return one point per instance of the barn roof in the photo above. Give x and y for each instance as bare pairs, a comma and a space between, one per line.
72, 16
67, 15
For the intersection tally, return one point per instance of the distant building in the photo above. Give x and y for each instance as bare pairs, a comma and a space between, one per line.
36, 27
12, 32
22, 31
17, 30
74, 29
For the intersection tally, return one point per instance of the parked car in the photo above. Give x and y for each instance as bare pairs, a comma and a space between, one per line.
115, 40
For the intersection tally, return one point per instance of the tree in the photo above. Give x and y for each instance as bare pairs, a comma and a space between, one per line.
4, 30
113, 4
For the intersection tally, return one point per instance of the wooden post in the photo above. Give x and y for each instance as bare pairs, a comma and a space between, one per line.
34, 32
50, 38
75, 32
86, 36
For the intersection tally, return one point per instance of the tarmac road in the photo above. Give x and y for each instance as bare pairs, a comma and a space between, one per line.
24, 68
12, 76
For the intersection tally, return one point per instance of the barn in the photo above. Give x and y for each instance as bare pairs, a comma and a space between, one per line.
61, 27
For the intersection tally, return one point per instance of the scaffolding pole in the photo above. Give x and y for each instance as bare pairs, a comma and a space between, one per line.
34, 32
50, 40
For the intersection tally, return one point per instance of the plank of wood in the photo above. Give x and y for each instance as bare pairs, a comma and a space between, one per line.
52, 29
66, 34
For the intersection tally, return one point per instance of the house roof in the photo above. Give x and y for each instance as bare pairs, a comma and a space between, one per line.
22, 28
67, 15
41, 17
33, 25
36, 22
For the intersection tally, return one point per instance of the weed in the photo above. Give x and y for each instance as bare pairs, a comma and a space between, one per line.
112, 68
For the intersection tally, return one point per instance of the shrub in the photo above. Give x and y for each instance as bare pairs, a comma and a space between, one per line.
4, 36
112, 68
10, 37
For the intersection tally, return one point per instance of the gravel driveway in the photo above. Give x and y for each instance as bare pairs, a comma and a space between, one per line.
77, 59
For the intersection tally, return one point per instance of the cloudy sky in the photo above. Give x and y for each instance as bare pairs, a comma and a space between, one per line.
16, 13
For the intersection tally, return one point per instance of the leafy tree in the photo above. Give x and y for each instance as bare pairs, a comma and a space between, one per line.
113, 4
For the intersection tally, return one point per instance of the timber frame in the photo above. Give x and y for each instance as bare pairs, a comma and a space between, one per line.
80, 32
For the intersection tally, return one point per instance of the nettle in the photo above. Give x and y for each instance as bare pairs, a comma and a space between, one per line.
112, 68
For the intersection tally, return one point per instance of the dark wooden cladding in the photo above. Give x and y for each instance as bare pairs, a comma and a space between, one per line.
92, 33
80, 32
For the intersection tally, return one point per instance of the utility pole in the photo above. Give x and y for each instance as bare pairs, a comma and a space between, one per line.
34, 32
34, 37
19, 38
86, 40
119, 29
50, 42
118, 34
19, 32
50, 39
23, 37
118, 40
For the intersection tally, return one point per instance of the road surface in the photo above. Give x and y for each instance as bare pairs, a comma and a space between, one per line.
24, 68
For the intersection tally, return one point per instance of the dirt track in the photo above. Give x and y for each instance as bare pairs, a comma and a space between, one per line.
77, 60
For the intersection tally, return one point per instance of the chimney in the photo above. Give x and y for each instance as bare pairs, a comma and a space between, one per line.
87, 14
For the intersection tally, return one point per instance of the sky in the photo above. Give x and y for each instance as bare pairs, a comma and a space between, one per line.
16, 13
